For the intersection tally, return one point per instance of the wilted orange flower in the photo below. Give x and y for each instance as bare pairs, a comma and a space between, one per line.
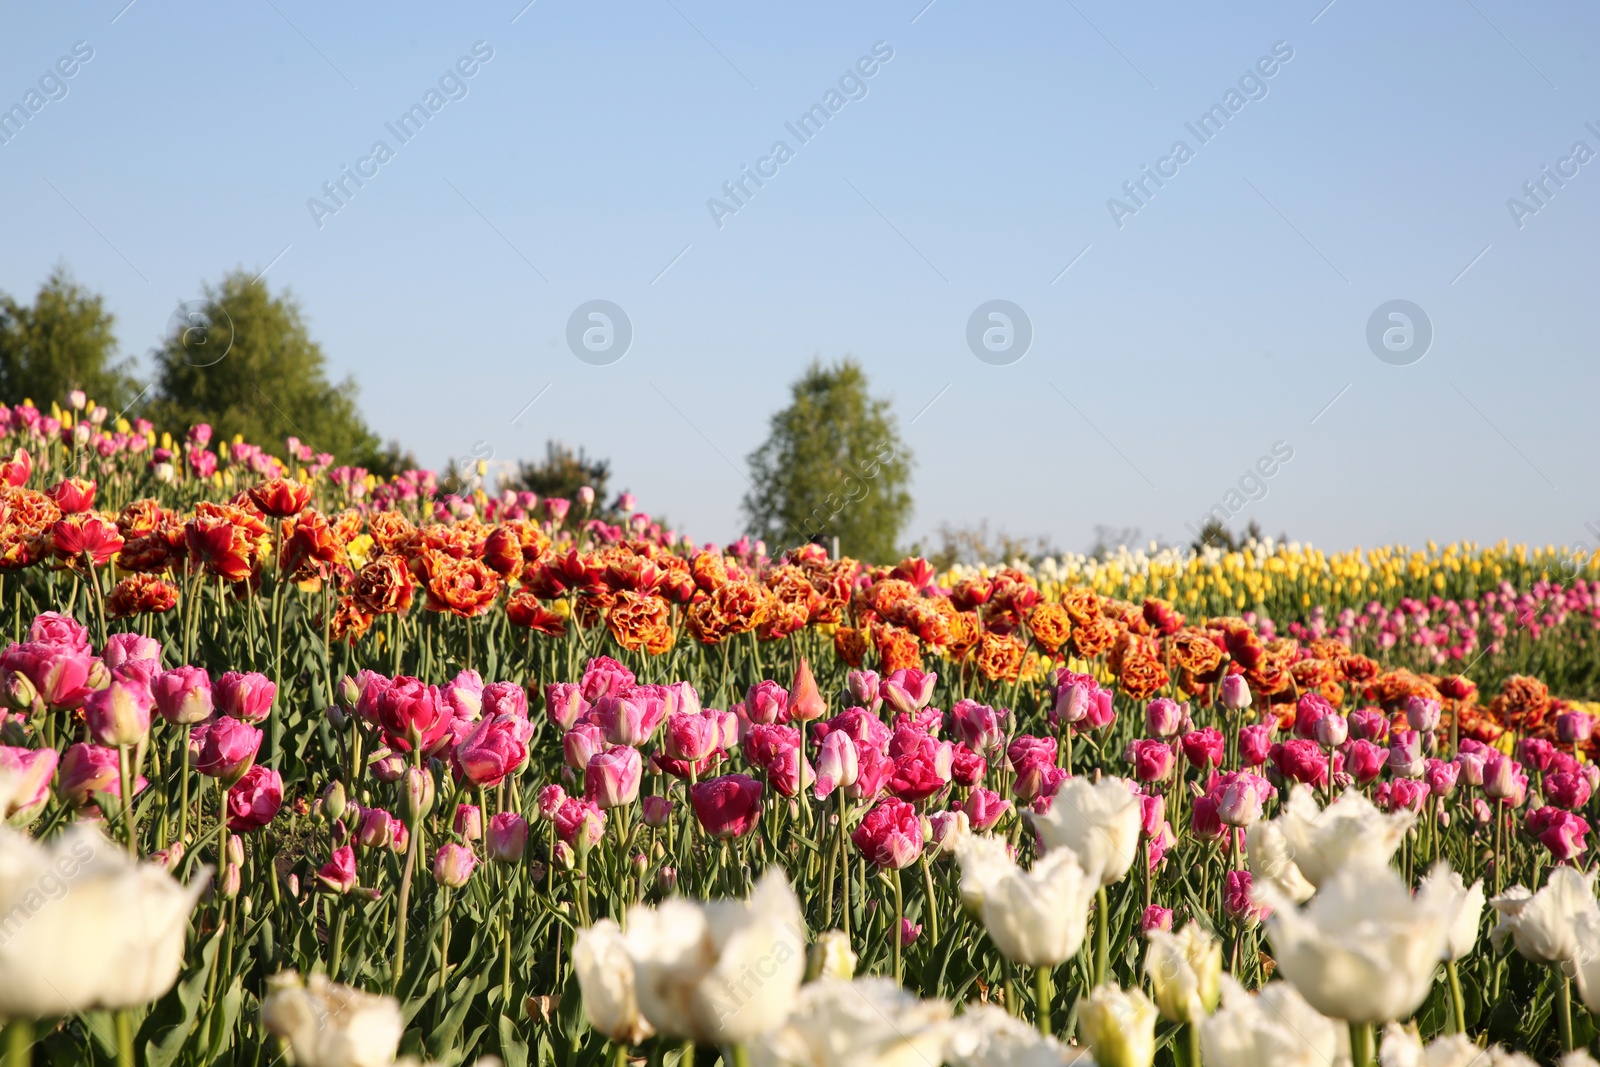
590, 606
280, 498
349, 623
1522, 703
1051, 626
463, 587
140, 594
709, 571
635, 616
897, 649
743, 605
1000, 656
523, 609
1093, 636
383, 586
851, 646
392, 531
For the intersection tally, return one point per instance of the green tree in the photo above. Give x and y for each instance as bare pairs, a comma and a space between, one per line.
832, 466
250, 367
64, 341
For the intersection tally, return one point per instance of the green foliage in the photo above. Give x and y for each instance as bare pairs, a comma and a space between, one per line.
272, 382
1215, 534
63, 341
833, 466
562, 473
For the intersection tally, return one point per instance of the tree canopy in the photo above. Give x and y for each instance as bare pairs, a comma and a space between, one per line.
250, 367
833, 465
63, 341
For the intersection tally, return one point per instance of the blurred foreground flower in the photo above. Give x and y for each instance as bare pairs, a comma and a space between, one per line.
605, 975
986, 1036
1272, 1028
332, 1025
867, 1023
86, 926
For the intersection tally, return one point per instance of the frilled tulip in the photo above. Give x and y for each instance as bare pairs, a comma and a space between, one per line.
1350, 831
564, 703
890, 835
1272, 1028
254, 800
495, 749
1036, 917
1543, 925
1099, 822
693, 963
108, 933
412, 715
580, 823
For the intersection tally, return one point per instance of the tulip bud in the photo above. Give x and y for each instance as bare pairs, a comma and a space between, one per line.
1422, 714
1155, 918
1331, 731
1119, 1026
831, 957
657, 811
334, 801
508, 837
336, 716
236, 850
349, 692
419, 793
667, 879
1235, 692
1185, 972
805, 701
469, 822
864, 689
586, 496
230, 882
565, 856
452, 865
293, 882
20, 695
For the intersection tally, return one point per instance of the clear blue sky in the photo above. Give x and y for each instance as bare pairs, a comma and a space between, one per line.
1220, 318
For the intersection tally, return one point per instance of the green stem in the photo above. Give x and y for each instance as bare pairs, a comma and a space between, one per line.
741, 1058
1564, 1011
403, 912
1360, 1045
899, 922
1041, 986
1191, 1036
930, 905
19, 1043
124, 1038
1457, 1002
1102, 935
125, 767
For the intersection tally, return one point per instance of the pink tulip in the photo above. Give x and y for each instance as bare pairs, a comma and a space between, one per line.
1535, 752
890, 835
1027, 749
1165, 718
657, 811
1567, 790
551, 797
909, 931
90, 769
505, 698
838, 763
1204, 747
612, 777
412, 715
1331, 731
1302, 760
1559, 831
908, 689
224, 748
1235, 692
1405, 754
29, 772
581, 743
691, 736
1441, 777
183, 695
1237, 902
580, 823
984, 808
628, 720
463, 695
453, 865
1152, 813
564, 704
508, 837
255, 799
922, 764
981, 727
60, 675
469, 822
1471, 764
1368, 724
338, 875
119, 714
1407, 794
1240, 797
1574, 727
495, 748
1366, 760
1152, 760
245, 696
126, 648
766, 703
1255, 743
1422, 714
1501, 776
1155, 917
604, 676
1307, 711
729, 806
942, 827
967, 768
864, 689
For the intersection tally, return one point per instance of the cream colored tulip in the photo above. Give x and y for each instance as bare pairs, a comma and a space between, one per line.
987, 1036
831, 957
1099, 822
1462, 906
1119, 1026
83, 925
1348, 832
1185, 971
1364, 949
1544, 925
1272, 1028
1038, 917
871, 1022
1403, 1048
719, 973
332, 1025
1271, 864
984, 859
605, 975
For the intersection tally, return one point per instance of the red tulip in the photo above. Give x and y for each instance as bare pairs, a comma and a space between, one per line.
72, 495
281, 498
728, 806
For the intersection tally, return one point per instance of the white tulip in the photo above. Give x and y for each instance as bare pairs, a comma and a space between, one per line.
1099, 822
987, 1036
1271, 864
831, 957
1120, 1027
1577, 1058
1462, 906
984, 859
605, 975
1403, 1048
1586, 961
1037, 917
332, 1025
867, 1023
719, 973
83, 925
1272, 1028
1350, 831
1543, 925
1185, 971
1363, 950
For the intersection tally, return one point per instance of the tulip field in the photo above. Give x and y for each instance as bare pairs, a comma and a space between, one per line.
302, 766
